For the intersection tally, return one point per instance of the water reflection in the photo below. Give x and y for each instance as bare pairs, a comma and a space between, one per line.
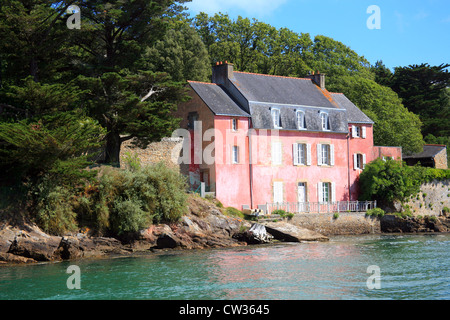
298, 271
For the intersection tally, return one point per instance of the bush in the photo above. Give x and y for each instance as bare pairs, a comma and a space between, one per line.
54, 212
389, 181
376, 212
129, 201
446, 210
279, 212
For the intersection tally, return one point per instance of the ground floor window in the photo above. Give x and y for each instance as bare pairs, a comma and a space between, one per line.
326, 192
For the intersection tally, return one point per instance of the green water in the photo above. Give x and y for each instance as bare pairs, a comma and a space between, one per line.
412, 267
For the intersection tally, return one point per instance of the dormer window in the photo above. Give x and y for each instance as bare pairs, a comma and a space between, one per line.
325, 119
276, 118
301, 120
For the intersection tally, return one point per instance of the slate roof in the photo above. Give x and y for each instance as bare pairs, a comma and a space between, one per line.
260, 93
355, 115
218, 99
280, 90
262, 119
429, 151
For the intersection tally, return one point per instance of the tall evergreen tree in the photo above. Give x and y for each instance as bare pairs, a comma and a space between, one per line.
423, 89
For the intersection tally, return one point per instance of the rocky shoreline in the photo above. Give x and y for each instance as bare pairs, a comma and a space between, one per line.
204, 227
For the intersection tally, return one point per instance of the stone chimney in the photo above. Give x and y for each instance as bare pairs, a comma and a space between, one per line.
222, 71
318, 78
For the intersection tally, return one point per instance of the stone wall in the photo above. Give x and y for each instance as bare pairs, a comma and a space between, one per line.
441, 161
166, 151
345, 224
433, 197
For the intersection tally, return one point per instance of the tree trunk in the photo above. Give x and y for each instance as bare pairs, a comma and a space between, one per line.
112, 149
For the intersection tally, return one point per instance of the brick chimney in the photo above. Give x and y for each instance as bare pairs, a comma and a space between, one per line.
222, 71
318, 78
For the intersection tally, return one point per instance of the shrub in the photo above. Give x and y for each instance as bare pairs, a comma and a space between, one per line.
280, 212
335, 216
128, 201
446, 210
376, 212
54, 212
388, 181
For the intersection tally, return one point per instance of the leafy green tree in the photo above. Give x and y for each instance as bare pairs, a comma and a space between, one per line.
337, 60
383, 75
389, 181
180, 53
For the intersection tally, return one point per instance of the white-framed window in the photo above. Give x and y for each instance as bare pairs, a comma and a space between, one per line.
278, 192
235, 155
326, 192
277, 153
301, 120
276, 118
325, 120
302, 154
325, 155
359, 161
359, 132
234, 124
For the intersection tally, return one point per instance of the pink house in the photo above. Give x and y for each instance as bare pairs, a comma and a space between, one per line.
259, 140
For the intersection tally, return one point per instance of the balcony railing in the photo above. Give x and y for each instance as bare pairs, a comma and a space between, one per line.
320, 207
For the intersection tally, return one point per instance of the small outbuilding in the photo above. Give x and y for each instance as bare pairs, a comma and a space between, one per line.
432, 156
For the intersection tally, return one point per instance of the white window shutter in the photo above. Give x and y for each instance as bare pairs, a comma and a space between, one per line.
296, 154
364, 132
353, 131
332, 155
364, 161
355, 161
308, 155
319, 154
320, 192
333, 191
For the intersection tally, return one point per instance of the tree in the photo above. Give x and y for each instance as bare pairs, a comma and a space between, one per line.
33, 34
132, 106
423, 89
181, 53
126, 101
383, 75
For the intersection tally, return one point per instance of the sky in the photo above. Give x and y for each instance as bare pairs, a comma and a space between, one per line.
405, 32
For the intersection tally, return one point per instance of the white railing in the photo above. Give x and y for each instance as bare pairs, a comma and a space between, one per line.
320, 207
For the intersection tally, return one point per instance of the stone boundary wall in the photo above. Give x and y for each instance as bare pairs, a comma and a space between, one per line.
345, 224
431, 200
166, 151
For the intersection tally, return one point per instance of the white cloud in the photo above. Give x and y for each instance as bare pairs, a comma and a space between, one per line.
253, 8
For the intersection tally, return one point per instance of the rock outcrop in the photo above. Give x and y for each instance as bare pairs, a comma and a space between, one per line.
287, 232
203, 227
396, 224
